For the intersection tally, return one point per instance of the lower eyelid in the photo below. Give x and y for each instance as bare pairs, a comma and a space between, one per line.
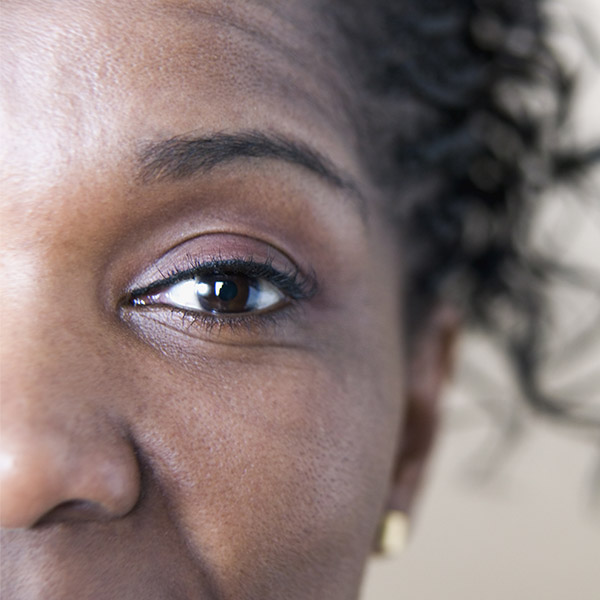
269, 328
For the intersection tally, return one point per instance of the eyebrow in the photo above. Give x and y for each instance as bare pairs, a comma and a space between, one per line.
184, 156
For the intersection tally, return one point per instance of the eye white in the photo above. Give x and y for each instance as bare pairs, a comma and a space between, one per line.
186, 294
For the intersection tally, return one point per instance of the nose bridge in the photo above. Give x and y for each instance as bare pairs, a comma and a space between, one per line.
50, 334
60, 441
48, 368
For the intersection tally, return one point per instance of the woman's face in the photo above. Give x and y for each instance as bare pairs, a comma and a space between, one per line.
202, 353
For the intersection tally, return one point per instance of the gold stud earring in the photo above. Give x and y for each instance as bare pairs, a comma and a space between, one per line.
393, 533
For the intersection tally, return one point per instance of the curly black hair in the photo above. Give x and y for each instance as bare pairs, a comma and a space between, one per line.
459, 117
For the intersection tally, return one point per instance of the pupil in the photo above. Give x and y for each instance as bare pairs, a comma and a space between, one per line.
226, 290
224, 293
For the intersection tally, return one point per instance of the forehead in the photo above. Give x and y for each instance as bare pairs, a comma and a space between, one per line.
104, 75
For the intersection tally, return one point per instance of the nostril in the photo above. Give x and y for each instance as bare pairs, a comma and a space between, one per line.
62, 476
75, 510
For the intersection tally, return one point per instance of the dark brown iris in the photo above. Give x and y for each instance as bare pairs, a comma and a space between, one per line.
224, 294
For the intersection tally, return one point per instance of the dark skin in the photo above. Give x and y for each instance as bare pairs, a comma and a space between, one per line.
154, 451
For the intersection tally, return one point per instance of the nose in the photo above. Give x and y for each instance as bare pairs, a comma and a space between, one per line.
58, 475
64, 453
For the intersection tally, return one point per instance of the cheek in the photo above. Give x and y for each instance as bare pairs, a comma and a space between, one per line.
285, 460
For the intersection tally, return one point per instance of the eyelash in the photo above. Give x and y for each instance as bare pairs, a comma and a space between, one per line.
294, 284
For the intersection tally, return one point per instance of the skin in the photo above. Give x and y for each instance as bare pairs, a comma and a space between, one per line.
146, 454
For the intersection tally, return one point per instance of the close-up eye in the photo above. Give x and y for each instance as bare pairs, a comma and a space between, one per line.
216, 294
226, 288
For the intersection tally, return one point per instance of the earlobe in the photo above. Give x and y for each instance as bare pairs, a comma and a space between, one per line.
430, 365
392, 536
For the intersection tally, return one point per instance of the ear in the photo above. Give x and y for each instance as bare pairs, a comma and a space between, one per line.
430, 364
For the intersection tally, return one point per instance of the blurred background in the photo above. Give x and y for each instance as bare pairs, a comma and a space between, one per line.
512, 506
